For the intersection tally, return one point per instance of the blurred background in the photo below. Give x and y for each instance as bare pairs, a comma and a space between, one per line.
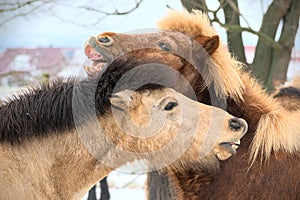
43, 40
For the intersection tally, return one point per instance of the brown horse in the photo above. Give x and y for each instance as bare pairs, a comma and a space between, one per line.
56, 141
267, 165
289, 97
112, 45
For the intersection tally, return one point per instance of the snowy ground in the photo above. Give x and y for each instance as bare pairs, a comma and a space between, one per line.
125, 186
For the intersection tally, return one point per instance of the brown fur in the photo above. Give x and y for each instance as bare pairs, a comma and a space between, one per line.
289, 96
290, 103
273, 136
272, 144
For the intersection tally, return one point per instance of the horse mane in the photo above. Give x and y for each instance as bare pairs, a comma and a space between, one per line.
49, 108
223, 66
36, 112
288, 91
276, 128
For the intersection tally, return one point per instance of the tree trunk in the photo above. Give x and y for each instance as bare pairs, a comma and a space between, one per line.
263, 53
234, 37
281, 57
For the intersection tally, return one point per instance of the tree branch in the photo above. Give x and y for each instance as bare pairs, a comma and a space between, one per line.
191, 5
237, 28
21, 9
16, 6
116, 12
234, 36
21, 14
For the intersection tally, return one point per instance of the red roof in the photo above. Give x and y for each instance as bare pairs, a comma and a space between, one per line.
46, 59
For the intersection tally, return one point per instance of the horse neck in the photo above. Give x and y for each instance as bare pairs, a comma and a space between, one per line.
256, 102
55, 167
271, 127
195, 179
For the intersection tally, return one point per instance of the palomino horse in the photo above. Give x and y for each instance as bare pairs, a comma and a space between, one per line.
267, 164
58, 140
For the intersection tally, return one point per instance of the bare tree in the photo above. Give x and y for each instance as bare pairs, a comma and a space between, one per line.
84, 13
272, 57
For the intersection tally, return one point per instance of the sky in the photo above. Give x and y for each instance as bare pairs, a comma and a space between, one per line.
44, 29
57, 24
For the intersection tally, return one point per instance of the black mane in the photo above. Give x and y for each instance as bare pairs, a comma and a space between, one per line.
288, 91
49, 109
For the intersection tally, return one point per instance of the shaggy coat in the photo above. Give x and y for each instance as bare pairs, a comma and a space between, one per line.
289, 98
271, 146
267, 164
49, 138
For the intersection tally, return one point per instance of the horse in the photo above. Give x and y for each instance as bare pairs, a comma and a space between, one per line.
59, 139
289, 97
111, 45
107, 46
267, 163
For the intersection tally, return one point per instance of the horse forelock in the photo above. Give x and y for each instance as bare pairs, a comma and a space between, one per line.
225, 69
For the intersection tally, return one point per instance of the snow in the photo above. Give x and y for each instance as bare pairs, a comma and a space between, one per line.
125, 186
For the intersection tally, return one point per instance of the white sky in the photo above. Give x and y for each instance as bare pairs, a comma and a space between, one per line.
42, 29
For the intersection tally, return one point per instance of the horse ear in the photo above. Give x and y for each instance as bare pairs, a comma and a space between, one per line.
120, 100
210, 44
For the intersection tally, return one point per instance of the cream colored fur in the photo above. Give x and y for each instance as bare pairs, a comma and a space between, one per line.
276, 130
64, 165
57, 167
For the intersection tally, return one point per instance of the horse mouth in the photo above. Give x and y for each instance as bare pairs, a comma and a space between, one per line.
226, 149
99, 61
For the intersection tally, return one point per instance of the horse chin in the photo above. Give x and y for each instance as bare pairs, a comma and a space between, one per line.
93, 70
226, 149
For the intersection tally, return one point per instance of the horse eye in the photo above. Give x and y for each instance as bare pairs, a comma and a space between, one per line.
170, 105
104, 39
164, 46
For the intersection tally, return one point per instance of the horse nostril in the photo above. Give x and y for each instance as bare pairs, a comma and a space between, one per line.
236, 124
104, 39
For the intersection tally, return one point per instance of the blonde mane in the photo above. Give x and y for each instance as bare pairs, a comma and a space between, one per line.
276, 129
224, 65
